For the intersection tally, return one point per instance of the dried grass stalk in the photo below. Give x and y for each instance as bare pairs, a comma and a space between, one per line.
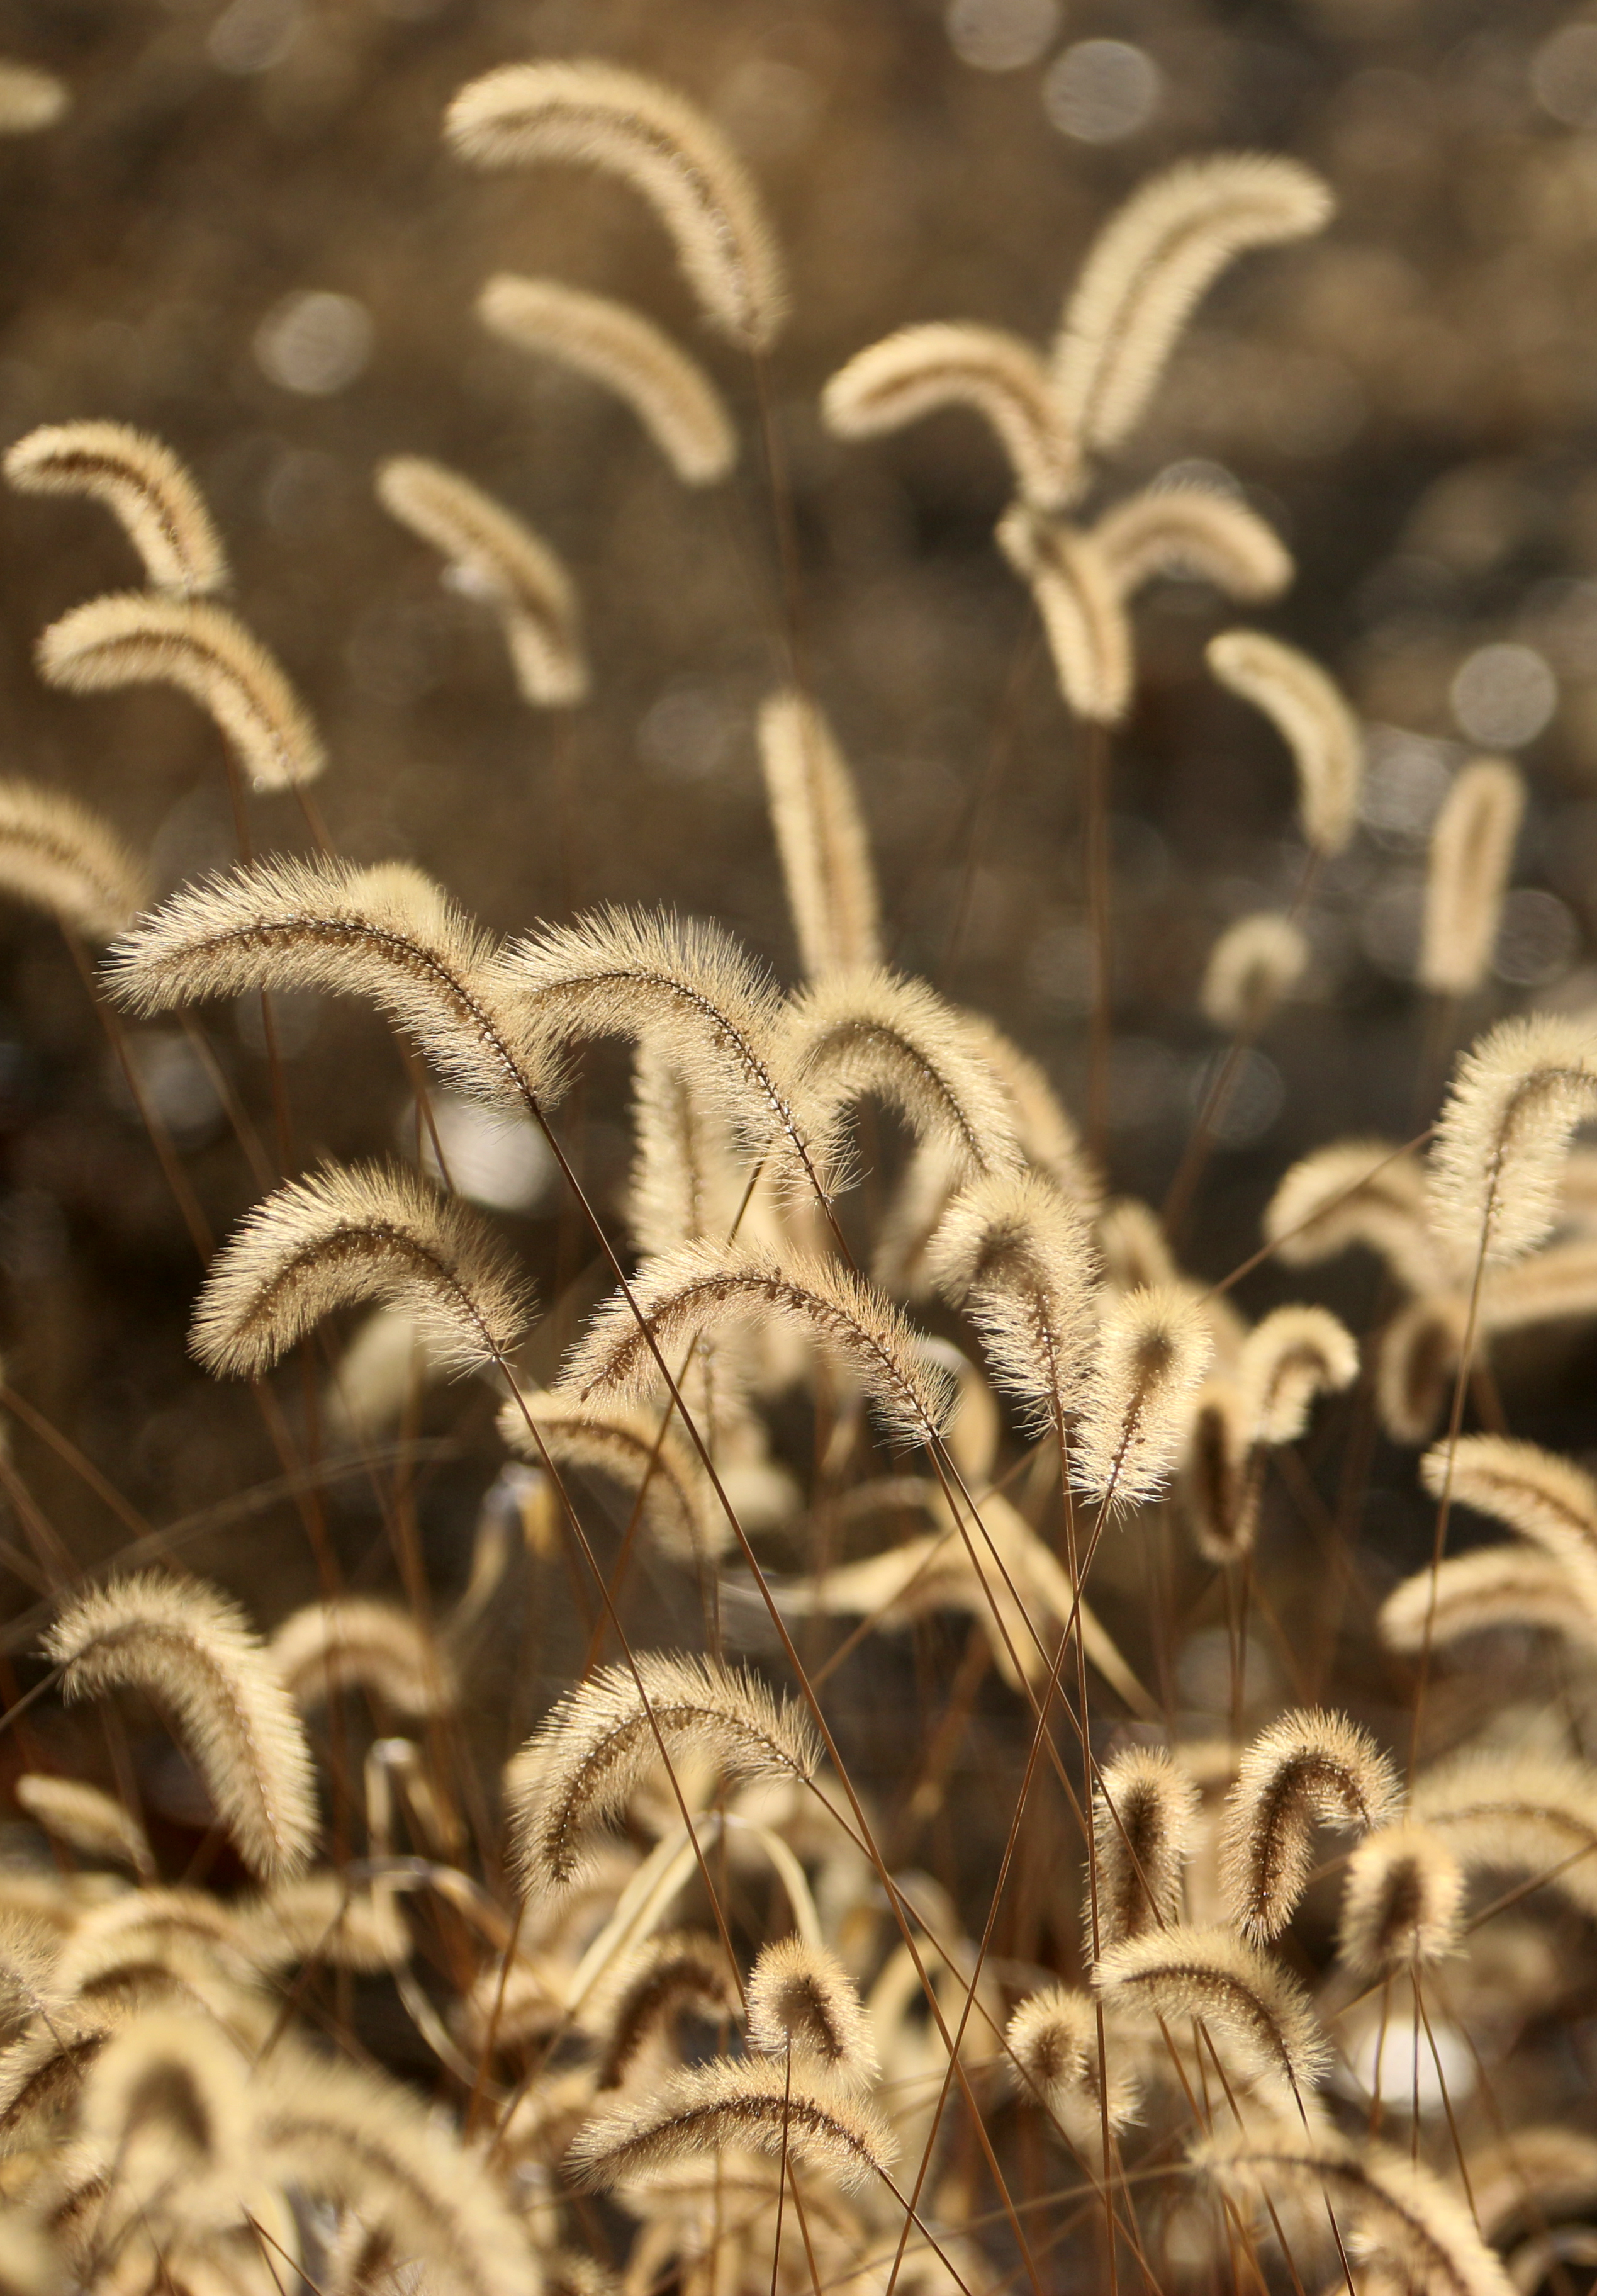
1253, 967
1077, 596
1150, 265
1308, 1766
591, 1751
135, 638
92, 1823
920, 370
58, 857
748, 2103
352, 1642
1403, 1903
1496, 1163
191, 1650
1314, 720
1144, 1809
357, 1233
821, 838
496, 556
1194, 532
612, 344
801, 2000
1153, 1349
1256, 2016
664, 147
1020, 1256
1472, 854
153, 495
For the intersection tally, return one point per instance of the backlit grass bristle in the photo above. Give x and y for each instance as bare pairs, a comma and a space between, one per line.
153, 495
1256, 2016
1144, 1810
354, 1641
57, 856
750, 2103
1472, 854
1052, 2037
1153, 1349
922, 369
1310, 1767
1314, 720
1401, 1902
821, 838
803, 2003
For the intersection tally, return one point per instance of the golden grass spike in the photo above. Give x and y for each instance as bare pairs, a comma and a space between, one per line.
1253, 967
1539, 2173
1311, 716
1144, 1809
165, 2103
1256, 2016
821, 838
1417, 1359
589, 1754
746, 2101
690, 989
662, 146
673, 1971
612, 344
877, 1033
191, 1650
1295, 1354
1020, 1257
355, 1233
29, 99
58, 857
1546, 1499
1496, 1167
496, 556
1153, 1349
320, 1918
1150, 265
30, 1955
1403, 1903
679, 1509
688, 1178
801, 1998
1472, 854
370, 2147
686, 1292
1404, 2219
1196, 532
1491, 1588
388, 934
1530, 1814
142, 482
1088, 634
1049, 1139
133, 637
1354, 1191
1556, 1283
1309, 1765
1219, 1493
353, 1641
41, 2073
920, 370
1052, 2037
88, 1820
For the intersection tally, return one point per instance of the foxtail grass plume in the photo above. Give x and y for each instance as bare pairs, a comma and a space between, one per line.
369, 2146
1153, 1349
1257, 2017
685, 1293
920, 370
821, 838
688, 1177
57, 856
655, 1463
94, 1823
590, 1754
1048, 1137
876, 1033
1150, 264
1052, 2037
1253, 967
357, 1233
496, 556
799, 2114
29, 99
672, 1972
1293, 1355
1548, 1500
1404, 2219
134, 637
1195, 533
1418, 1355
321, 1918
1403, 1902
1144, 1811
1079, 601
802, 2002
1308, 712
1308, 1766
1490, 1590
190, 1649
1020, 1257
688, 988
1530, 1814
1497, 1165
166, 2104
1541, 2174
1218, 1490
355, 1642
1354, 1191
614, 346
663, 146
141, 482
385, 933
1472, 854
